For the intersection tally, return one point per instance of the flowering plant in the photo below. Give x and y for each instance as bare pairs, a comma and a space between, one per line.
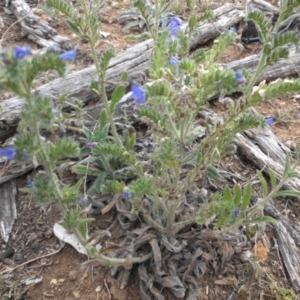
166, 188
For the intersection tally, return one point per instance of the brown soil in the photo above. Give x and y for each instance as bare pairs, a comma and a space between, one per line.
60, 275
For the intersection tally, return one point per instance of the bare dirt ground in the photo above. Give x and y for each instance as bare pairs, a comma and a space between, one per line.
56, 272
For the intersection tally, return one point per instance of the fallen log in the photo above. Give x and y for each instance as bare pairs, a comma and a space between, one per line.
263, 160
35, 29
135, 61
272, 211
290, 255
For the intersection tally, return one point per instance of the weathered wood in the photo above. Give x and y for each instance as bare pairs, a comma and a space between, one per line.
290, 255
35, 29
272, 211
261, 147
263, 160
135, 61
8, 211
266, 6
283, 68
15, 169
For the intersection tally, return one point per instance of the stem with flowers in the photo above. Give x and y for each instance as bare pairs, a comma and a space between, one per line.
166, 182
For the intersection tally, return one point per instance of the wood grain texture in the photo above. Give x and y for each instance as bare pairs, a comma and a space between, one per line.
8, 209
135, 60
35, 29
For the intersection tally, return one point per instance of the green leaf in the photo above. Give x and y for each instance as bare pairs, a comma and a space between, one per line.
117, 96
96, 188
247, 197
263, 183
74, 27
192, 22
124, 76
188, 3
70, 193
93, 26
282, 87
27, 190
187, 65
43, 63
85, 170
129, 138
221, 221
277, 54
103, 118
212, 173
289, 37
154, 116
61, 6
262, 24
142, 186
105, 59
63, 148
227, 194
273, 178
287, 166
238, 195
289, 193
113, 149
262, 220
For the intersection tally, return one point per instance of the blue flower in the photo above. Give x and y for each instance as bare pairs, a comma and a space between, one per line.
9, 153
30, 183
174, 27
236, 212
21, 52
138, 94
233, 29
55, 112
174, 61
69, 55
91, 145
240, 79
270, 121
127, 195
298, 114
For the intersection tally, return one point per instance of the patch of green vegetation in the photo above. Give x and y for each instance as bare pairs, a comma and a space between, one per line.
47, 10
281, 293
283, 116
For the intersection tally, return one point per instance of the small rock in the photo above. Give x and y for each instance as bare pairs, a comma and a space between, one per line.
53, 282
44, 261
48, 234
76, 294
73, 275
98, 289
246, 255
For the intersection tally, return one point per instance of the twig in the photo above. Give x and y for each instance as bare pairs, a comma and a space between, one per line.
82, 279
30, 261
106, 286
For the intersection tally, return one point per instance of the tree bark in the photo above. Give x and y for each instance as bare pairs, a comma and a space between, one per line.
35, 29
